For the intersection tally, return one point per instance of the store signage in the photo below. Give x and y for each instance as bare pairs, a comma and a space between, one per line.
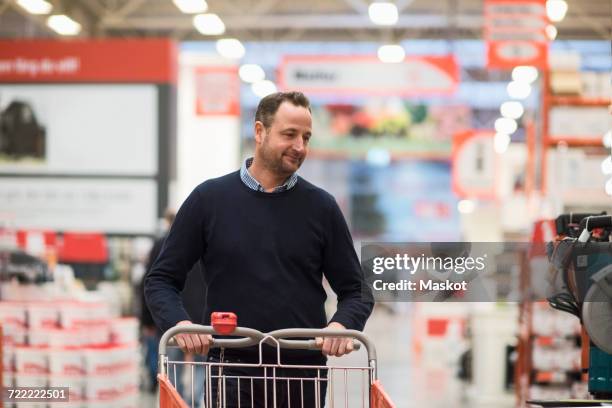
366, 75
111, 60
115, 206
515, 33
473, 159
217, 91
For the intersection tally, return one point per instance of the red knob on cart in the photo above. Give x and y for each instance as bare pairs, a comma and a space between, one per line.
224, 322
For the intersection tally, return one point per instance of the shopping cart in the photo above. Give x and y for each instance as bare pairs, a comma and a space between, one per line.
333, 386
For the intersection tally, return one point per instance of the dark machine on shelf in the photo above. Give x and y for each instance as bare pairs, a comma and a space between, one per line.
581, 259
20, 133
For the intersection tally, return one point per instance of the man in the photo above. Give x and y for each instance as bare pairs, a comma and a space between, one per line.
266, 237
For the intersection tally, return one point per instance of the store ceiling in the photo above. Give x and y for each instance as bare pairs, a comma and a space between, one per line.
291, 20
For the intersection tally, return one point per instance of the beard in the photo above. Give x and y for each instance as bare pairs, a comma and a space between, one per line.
278, 163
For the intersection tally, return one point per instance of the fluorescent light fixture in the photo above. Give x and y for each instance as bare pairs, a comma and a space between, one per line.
525, 73
383, 13
501, 141
556, 9
551, 32
251, 73
35, 6
607, 139
518, 90
466, 206
191, 6
505, 125
230, 48
263, 88
63, 25
512, 109
391, 53
606, 166
208, 24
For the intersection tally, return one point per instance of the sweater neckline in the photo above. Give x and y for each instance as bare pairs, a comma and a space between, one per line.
266, 194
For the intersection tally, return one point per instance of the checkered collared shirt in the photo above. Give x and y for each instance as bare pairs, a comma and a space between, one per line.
253, 184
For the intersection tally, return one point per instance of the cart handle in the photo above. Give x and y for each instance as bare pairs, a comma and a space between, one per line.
252, 337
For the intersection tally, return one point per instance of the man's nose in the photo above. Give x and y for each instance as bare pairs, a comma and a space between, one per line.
298, 144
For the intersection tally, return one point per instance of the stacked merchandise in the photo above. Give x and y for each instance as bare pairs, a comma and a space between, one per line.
77, 344
556, 355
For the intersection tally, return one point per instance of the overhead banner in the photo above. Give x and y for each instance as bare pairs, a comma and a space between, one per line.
367, 75
109, 60
474, 170
515, 32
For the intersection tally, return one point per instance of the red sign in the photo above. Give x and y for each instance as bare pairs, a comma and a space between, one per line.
515, 33
217, 91
344, 75
113, 60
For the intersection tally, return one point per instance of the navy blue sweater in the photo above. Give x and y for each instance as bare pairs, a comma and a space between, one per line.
263, 255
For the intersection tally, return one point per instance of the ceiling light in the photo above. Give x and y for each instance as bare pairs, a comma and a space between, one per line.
466, 206
191, 6
505, 125
607, 139
512, 109
251, 73
209, 24
501, 141
391, 53
35, 6
263, 88
556, 9
518, 90
230, 48
606, 166
609, 187
383, 13
64, 25
551, 32
525, 73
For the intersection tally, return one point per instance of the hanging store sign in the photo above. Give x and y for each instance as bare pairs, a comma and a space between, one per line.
109, 60
217, 91
366, 75
515, 33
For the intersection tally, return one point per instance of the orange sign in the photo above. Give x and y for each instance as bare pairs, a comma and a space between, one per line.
474, 167
217, 91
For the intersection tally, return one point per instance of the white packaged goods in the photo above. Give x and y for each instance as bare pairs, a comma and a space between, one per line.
38, 337
7, 379
586, 122
13, 313
14, 334
68, 361
590, 84
124, 330
76, 386
32, 360
66, 337
96, 334
76, 313
566, 82
111, 387
43, 315
111, 359
8, 358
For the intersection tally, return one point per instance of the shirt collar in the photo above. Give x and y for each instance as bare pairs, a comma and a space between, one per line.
250, 182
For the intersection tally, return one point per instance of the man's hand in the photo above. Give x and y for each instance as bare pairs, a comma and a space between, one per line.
335, 346
193, 343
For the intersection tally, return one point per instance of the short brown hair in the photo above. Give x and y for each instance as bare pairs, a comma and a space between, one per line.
268, 106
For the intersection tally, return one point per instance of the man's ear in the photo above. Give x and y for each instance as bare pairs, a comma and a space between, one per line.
259, 132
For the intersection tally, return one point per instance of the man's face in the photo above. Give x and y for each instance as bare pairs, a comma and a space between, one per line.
283, 147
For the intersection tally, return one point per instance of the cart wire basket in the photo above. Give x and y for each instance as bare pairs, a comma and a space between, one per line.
225, 384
